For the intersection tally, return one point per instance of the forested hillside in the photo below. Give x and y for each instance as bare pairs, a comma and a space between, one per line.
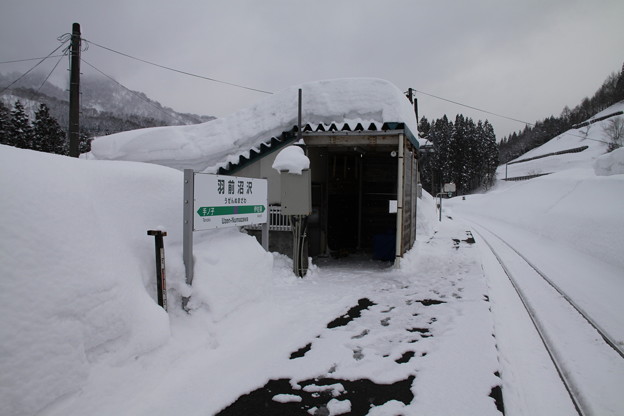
516, 144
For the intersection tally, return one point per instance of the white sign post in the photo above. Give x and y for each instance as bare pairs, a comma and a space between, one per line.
449, 189
213, 201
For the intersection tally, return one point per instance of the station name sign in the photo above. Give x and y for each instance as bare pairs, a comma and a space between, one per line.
227, 201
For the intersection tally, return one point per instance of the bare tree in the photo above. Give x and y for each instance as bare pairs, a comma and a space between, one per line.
614, 128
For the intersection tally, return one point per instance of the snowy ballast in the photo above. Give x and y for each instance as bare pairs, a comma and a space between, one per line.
291, 159
208, 146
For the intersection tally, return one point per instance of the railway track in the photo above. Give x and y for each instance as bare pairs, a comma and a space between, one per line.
589, 362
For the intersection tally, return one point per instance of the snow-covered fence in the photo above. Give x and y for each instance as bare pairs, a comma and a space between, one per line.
527, 177
595, 120
575, 150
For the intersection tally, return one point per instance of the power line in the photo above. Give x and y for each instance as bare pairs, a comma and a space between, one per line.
129, 90
500, 115
35, 66
30, 59
177, 70
48, 77
474, 108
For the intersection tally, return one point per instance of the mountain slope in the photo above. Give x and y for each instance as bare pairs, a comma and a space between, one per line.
106, 107
592, 136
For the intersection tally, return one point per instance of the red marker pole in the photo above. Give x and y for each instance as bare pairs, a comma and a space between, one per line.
161, 282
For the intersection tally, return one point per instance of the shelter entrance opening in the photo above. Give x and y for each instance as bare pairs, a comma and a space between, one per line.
351, 191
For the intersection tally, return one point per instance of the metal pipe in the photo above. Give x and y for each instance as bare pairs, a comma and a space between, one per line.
299, 105
399, 221
187, 231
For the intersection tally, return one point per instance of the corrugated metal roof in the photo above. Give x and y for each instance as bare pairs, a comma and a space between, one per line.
289, 137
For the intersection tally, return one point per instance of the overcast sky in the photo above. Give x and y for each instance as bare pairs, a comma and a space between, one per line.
522, 59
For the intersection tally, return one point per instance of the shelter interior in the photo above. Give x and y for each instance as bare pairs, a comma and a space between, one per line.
351, 190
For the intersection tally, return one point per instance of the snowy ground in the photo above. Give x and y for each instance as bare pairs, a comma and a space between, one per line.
82, 334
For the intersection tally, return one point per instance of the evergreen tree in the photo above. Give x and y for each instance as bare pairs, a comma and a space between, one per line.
5, 121
490, 155
463, 152
20, 130
84, 146
440, 134
48, 135
423, 127
619, 86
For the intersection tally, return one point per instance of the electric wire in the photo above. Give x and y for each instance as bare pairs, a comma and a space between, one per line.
177, 70
503, 116
30, 59
474, 108
31, 69
129, 90
53, 69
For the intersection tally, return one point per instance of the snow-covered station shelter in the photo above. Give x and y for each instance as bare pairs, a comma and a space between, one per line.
360, 136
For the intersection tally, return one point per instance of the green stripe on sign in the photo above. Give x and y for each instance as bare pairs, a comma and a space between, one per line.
230, 210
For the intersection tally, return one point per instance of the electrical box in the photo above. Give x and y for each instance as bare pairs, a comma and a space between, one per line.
296, 193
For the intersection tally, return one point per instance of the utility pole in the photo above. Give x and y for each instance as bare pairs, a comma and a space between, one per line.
74, 93
413, 100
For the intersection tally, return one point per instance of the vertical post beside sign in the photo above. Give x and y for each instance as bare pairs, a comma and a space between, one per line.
187, 232
161, 282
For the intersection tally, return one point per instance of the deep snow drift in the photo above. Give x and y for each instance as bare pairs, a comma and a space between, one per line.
208, 146
77, 269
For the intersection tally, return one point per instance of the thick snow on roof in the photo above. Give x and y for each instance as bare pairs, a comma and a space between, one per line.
208, 146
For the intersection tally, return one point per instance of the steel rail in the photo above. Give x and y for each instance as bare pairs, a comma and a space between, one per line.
548, 345
603, 333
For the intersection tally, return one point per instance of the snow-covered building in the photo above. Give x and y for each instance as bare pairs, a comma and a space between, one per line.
360, 136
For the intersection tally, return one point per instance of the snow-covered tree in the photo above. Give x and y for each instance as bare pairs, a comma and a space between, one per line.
20, 130
463, 152
5, 120
489, 155
48, 135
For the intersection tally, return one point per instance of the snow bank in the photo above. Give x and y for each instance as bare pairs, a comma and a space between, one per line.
426, 216
231, 270
75, 262
579, 204
610, 164
207, 146
291, 159
574, 207
77, 271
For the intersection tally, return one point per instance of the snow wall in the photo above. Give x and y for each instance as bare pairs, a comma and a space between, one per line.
77, 270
